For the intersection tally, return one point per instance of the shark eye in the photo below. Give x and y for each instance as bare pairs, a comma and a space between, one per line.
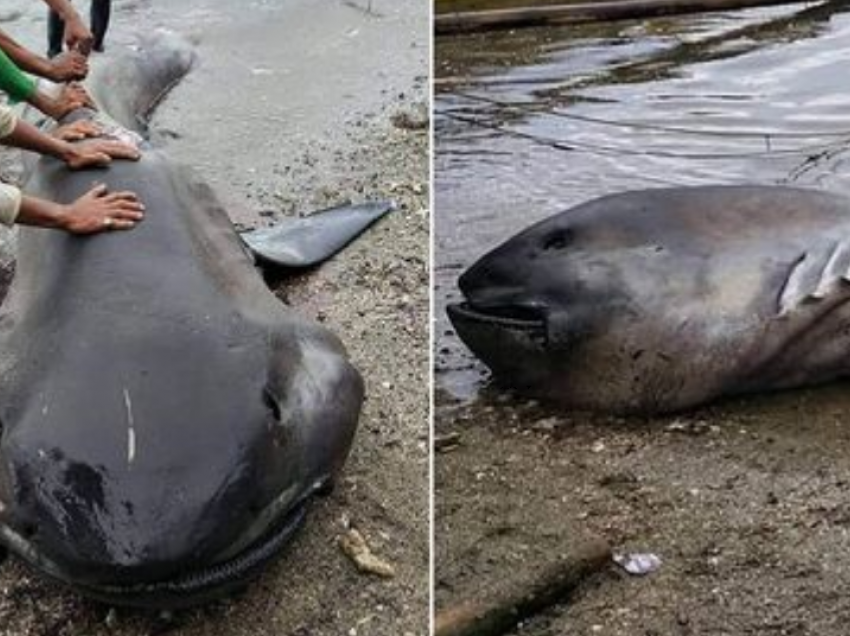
29, 530
557, 240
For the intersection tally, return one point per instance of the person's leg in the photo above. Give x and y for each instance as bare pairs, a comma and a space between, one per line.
55, 34
100, 10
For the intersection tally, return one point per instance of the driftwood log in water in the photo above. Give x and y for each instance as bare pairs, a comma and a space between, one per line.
468, 21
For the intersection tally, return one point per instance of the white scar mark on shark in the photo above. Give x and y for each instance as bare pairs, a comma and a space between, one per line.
131, 431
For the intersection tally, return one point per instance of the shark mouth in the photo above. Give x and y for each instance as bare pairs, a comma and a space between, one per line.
508, 317
191, 588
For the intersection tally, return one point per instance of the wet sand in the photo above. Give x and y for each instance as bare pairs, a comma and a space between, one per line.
745, 503
293, 107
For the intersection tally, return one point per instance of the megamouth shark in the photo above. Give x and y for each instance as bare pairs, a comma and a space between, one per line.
166, 420
665, 299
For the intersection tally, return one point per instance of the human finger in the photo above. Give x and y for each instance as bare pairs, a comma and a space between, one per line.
122, 196
118, 149
97, 190
127, 215
120, 224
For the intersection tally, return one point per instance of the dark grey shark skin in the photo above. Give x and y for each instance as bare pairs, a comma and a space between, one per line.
662, 300
165, 418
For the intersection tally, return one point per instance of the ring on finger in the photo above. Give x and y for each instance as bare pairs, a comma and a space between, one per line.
107, 222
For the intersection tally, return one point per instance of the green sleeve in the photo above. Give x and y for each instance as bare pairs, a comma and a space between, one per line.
18, 86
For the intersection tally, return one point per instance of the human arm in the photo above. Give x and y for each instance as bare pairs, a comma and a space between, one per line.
69, 98
71, 65
94, 153
77, 35
13, 82
94, 211
97, 210
22, 88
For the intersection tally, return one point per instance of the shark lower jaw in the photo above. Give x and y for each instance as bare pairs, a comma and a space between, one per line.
511, 341
194, 587
507, 317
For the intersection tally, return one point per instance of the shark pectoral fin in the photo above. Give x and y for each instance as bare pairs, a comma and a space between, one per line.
818, 277
309, 240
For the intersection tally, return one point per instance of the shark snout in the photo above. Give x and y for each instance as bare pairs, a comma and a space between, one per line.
510, 313
94, 523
